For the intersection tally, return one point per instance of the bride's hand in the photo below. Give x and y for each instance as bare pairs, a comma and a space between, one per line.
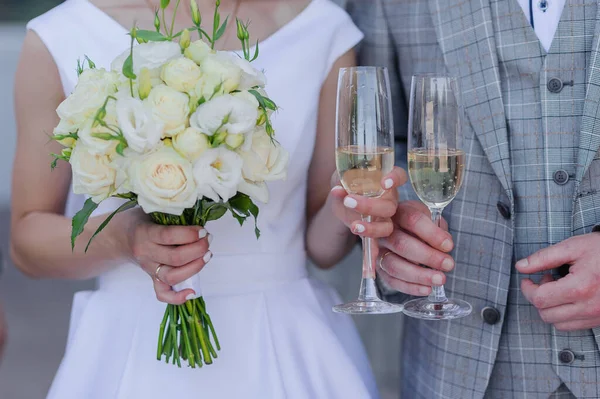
180, 251
349, 208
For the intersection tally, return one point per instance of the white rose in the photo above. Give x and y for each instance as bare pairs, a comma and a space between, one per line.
150, 55
227, 113
266, 160
140, 129
169, 107
221, 66
163, 181
181, 74
191, 143
218, 172
251, 77
93, 174
92, 89
198, 51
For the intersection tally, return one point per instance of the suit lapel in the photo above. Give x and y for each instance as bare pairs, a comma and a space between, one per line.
465, 33
589, 137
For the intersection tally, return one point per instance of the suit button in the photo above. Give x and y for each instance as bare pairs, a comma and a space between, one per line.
503, 209
566, 356
555, 85
561, 177
490, 315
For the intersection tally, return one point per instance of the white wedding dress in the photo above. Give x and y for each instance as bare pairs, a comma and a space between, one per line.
278, 334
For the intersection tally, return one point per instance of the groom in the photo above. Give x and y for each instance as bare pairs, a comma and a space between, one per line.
527, 257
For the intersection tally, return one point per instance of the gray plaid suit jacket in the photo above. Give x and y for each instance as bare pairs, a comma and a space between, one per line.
455, 359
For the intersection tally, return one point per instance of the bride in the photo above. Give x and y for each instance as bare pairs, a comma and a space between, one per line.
278, 334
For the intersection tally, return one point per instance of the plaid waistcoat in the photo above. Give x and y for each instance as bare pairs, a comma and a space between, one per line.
459, 359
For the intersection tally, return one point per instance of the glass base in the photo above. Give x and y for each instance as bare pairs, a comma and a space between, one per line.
368, 307
424, 308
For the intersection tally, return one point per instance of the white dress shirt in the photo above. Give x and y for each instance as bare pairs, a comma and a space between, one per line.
545, 23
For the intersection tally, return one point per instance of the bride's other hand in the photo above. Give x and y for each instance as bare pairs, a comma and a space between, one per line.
349, 208
170, 255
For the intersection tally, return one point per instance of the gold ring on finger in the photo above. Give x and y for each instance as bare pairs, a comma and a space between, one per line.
382, 258
156, 273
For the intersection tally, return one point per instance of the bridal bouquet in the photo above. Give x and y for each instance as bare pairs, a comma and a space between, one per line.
184, 132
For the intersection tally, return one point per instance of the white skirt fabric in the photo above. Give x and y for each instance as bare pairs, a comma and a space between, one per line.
279, 338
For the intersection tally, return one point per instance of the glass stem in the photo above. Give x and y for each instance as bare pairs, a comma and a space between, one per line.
438, 294
368, 289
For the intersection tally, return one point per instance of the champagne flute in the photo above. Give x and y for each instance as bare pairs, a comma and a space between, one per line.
364, 154
436, 165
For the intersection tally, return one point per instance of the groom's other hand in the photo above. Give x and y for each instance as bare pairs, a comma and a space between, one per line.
572, 302
414, 242
348, 207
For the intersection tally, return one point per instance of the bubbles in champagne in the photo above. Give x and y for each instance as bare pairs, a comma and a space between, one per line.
361, 169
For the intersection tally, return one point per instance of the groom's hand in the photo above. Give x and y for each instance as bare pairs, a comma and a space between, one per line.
414, 242
572, 302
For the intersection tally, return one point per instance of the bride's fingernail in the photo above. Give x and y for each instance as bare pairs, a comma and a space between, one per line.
190, 297
388, 183
210, 238
202, 233
359, 228
350, 202
207, 257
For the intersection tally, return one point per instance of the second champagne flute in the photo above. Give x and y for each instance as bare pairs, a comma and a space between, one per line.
436, 165
364, 154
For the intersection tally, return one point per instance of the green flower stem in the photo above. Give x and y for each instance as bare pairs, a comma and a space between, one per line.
193, 337
173, 20
210, 324
161, 334
186, 340
173, 316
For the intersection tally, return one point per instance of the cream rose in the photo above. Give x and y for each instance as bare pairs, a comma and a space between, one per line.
163, 181
266, 160
93, 174
191, 143
208, 87
181, 74
92, 89
198, 51
225, 113
170, 108
140, 129
221, 66
218, 172
151, 55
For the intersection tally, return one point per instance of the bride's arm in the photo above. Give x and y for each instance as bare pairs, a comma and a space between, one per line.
332, 226
40, 234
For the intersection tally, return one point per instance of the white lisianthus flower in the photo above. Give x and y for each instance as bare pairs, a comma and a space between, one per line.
95, 145
191, 143
222, 67
169, 107
92, 89
140, 129
93, 174
209, 87
247, 96
226, 113
150, 55
266, 160
256, 190
181, 74
250, 77
198, 51
163, 181
218, 173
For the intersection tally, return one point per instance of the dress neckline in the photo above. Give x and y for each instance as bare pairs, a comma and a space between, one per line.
289, 25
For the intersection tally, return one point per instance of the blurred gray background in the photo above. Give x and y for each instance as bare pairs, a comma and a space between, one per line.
38, 311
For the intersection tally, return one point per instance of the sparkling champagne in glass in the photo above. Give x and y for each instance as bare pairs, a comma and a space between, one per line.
436, 166
364, 154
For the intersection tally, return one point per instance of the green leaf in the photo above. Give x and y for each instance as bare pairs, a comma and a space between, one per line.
264, 102
164, 3
216, 211
54, 162
79, 67
120, 148
255, 53
124, 207
128, 68
221, 30
244, 205
80, 219
181, 32
151, 36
